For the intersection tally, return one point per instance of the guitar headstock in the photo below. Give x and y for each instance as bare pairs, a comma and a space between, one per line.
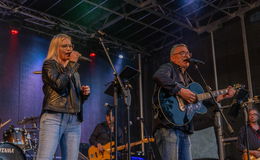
238, 86
256, 99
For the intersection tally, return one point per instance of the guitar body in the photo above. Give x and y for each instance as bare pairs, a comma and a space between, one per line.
94, 153
175, 110
250, 156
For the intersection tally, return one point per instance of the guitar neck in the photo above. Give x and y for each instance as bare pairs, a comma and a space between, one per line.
119, 148
206, 95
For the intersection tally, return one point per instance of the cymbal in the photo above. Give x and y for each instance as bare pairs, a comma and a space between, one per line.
37, 72
28, 120
5, 123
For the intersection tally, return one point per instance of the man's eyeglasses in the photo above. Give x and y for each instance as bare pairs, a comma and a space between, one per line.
253, 114
67, 46
182, 53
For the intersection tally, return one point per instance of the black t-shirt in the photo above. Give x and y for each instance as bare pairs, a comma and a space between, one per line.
102, 133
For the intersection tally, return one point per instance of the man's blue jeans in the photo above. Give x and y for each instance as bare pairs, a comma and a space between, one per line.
173, 144
58, 128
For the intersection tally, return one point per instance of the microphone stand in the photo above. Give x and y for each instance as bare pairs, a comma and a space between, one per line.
118, 86
246, 112
111, 129
151, 152
217, 118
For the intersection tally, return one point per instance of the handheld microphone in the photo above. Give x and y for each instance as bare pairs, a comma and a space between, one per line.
85, 58
193, 60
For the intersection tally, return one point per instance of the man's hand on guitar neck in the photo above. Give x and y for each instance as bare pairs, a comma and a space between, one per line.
231, 92
187, 95
255, 153
100, 148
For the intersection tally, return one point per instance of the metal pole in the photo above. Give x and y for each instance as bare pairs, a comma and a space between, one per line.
218, 120
218, 124
115, 123
248, 72
214, 59
141, 98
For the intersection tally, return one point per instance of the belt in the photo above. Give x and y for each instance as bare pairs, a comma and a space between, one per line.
54, 112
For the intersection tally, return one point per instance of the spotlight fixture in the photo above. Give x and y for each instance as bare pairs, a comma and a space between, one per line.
15, 25
120, 56
14, 31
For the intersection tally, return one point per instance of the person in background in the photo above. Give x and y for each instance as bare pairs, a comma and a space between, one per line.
103, 132
253, 131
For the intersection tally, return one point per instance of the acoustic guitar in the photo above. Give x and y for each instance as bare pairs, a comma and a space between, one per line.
252, 157
176, 110
94, 154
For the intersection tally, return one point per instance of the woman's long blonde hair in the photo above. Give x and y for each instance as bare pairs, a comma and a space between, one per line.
54, 46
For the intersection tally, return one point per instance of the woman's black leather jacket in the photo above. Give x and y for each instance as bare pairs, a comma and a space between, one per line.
56, 86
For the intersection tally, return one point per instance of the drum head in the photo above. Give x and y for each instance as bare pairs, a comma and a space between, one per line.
10, 151
15, 136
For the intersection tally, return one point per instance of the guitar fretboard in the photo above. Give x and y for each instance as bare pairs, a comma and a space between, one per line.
206, 95
132, 144
146, 140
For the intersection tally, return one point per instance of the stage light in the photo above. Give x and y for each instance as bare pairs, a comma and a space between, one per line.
15, 24
14, 31
92, 54
120, 56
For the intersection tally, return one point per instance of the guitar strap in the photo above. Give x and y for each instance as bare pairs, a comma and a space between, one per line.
156, 109
185, 78
189, 77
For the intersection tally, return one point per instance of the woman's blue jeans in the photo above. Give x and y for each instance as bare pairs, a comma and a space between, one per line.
58, 128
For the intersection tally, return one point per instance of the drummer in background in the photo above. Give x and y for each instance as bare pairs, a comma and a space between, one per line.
63, 101
253, 131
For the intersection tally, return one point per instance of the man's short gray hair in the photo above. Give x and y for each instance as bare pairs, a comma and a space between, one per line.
177, 45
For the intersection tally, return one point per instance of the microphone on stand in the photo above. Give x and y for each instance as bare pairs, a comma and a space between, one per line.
108, 105
240, 99
139, 119
195, 61
109, 108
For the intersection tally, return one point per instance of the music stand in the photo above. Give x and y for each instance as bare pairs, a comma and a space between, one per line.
126, 75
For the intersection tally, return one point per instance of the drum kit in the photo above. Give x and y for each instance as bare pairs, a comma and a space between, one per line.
20, 143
